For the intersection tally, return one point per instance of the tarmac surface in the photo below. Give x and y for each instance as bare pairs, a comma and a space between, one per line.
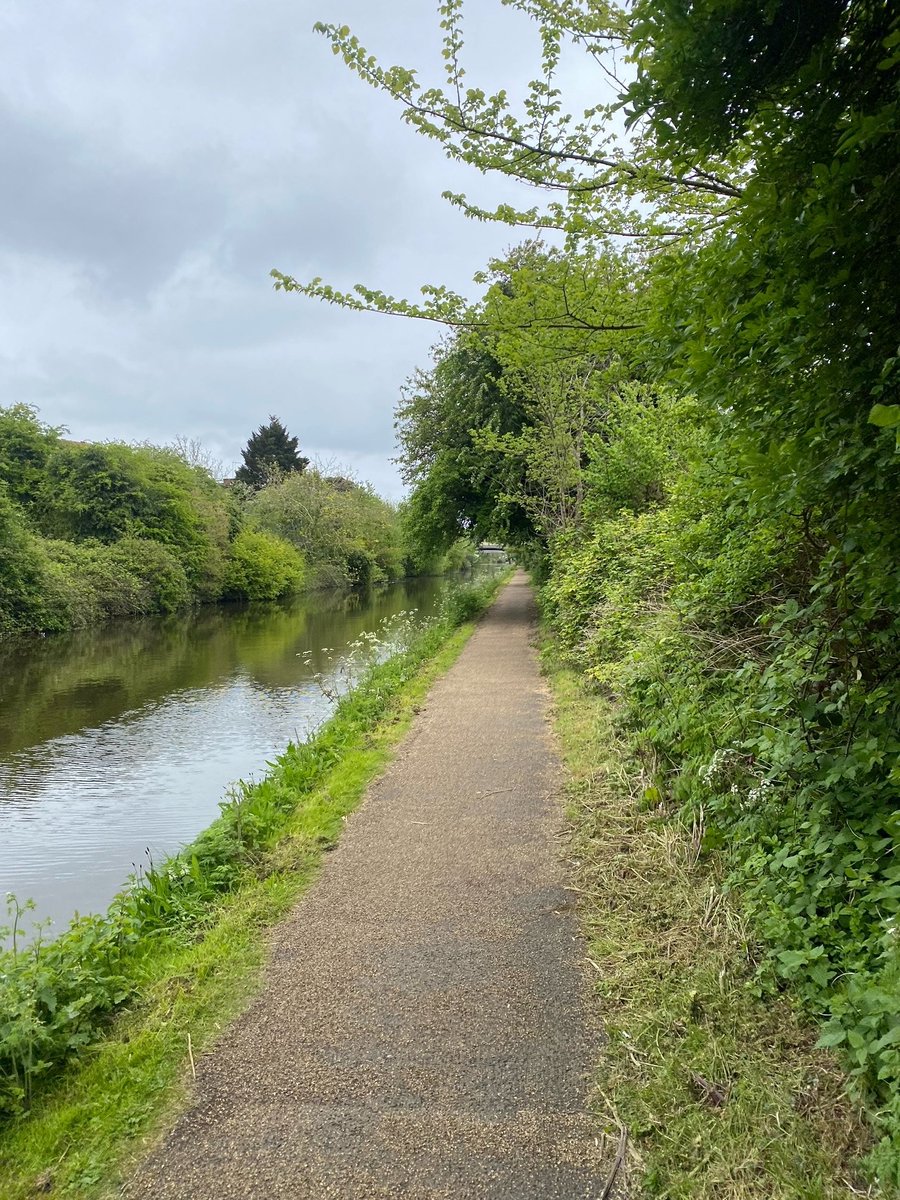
422, 1031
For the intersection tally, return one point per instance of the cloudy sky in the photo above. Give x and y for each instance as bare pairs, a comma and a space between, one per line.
159, 159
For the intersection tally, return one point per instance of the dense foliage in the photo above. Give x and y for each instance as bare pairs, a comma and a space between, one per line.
96, 530
691, 411
345, 532
90, 531
460, 489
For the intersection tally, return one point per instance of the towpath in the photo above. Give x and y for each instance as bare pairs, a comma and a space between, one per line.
422, 1031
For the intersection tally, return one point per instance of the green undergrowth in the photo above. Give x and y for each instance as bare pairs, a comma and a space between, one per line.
723, 1092
752, 651
98, 1029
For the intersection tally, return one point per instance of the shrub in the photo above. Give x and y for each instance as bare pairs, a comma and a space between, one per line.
165, 584
465, 603
89, 586
132, 577
107, 492
26, 597
346, 534
262, 567
755, 664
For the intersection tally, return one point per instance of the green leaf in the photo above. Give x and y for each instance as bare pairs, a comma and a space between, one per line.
885, 416
830, 1038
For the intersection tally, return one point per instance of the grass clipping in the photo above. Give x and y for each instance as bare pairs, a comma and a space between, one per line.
721, 1091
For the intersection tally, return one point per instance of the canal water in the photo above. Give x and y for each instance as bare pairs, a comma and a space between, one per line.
120, 742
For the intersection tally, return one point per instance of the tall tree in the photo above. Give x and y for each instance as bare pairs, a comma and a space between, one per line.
270, 453
460, 488
742, 536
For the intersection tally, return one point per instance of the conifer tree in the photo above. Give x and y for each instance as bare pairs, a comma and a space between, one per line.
270, 453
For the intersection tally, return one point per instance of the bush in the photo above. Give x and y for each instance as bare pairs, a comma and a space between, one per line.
757, 683
347, 535
88, 586
165, 586
26, 600
462, 556
465, 603
262, 567
132, 577
106, 492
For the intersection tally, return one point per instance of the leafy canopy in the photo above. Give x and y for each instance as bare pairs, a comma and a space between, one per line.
692, 413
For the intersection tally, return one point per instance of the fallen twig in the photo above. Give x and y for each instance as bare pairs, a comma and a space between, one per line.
617, 1164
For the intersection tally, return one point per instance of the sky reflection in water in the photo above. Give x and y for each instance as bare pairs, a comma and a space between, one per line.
124, 739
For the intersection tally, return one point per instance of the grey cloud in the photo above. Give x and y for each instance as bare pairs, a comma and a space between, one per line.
124, 222
158, 159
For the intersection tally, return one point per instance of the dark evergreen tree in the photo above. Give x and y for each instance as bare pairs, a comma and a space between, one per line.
270, 452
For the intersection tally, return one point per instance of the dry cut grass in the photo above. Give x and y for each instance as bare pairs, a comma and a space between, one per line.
720, 1089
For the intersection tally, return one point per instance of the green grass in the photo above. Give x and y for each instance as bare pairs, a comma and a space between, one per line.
722, 1091
90, 1122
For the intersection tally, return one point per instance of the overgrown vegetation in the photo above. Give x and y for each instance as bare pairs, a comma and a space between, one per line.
115, 996
685, 417
92, 531
723, 1092
702, 618
345, 533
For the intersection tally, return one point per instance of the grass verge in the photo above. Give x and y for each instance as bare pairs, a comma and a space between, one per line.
722, 1091
195, 959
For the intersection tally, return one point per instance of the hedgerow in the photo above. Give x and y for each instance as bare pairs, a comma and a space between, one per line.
763, 703
91, 531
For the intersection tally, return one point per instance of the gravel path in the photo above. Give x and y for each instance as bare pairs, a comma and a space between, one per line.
422, 1030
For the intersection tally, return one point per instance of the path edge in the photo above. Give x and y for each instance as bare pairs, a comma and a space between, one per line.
104, 1114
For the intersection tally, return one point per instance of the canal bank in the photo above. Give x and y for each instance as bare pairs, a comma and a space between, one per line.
117, 743
181, 962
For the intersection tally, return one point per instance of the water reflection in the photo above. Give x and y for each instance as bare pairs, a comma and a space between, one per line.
123, 738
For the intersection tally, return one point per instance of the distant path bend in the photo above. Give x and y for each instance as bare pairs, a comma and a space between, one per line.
422, 1030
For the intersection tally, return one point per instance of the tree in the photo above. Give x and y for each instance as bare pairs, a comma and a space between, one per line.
270, 453
601, 184
462, 486
494, 438
26, 444
195, 454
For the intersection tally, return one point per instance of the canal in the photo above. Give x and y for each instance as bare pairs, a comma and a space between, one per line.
118, 743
